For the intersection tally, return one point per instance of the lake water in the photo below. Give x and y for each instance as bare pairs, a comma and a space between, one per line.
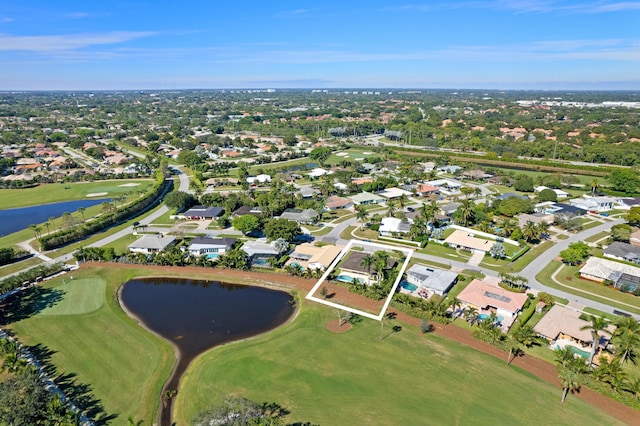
14, 220
197, 315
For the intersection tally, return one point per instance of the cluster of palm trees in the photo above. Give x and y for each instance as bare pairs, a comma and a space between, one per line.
379, 261
23, 390
516, 282
573, 372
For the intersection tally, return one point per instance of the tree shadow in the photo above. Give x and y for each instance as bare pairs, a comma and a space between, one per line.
82, 397
27, 303
395, 329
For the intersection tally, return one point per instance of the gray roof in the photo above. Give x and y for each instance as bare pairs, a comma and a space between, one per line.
297, 215
253, 248
152, 242
202, 211
623, 250
208, 241
437, 279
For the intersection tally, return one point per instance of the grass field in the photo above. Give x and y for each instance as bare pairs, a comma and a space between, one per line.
354, 378
58, 192
93, 341
320, 376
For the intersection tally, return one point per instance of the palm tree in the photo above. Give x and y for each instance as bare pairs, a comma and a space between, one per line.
470, 314
428, 211
464, 214
403, 200
507, 227
391, 208
525, 335
570, 380
381, 258
362, 215
52, 220
626, 339
594, 186
514, 348
368, 261
531, 232
81, 210
596, 325
454, 304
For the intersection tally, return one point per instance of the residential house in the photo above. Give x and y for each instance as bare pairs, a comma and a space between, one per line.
536, 218
593, 204
488, 297
620, 275
424, 190
623, 251
562, 327
202, 212
626, 203
352, 267
393, 193
244, 210
258, 180
476, 174
449, 209
392, 226
310, 256
307, 191
307, 216
467, 241
448, 187
149, 243
317, 172
366, 198
450, 169
259, 251
559, 210
336, 203
210, 247
559, 192
431, 280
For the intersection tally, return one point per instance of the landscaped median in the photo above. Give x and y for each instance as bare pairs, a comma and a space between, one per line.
320, 376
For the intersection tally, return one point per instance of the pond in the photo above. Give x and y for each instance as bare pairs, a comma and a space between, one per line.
197, 315
14, 220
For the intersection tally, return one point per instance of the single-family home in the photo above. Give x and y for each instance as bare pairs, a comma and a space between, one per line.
259, 179
467, 241
365, 198
620, 275
450, 169
310, 256
318, 171
352, 268
259, 251
536, 218
559, 192
623, 251
431, 280
391, 226
307, 216
149, 243
423, 190
210, 247
476, 174
595, 204
446, 187
393, 193
488, 297
626, 203
336, 203
562, 327
202, 212
244, 210
307, 191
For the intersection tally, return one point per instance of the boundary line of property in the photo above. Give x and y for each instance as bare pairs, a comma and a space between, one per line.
408, 253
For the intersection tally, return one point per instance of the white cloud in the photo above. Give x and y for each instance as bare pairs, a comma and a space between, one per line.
526, 6
67, 42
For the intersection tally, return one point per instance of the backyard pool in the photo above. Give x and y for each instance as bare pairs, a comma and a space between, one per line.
348, 279
576, 351
483, 317
408, 286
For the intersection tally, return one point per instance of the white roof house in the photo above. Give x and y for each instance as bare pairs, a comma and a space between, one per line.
393, 193
434, 280
559, 192
258, 179
598, 204
365, 198
392, 225
149, 243
259, 249
211, 247
317, 172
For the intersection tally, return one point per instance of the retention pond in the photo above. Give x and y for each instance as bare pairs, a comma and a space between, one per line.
197, 315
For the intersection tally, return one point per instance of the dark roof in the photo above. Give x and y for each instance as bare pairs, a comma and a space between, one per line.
354, 262
202, 211
623, 250
568, 208
243, 210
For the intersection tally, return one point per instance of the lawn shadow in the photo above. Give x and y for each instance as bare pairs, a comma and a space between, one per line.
27, 303
82, 397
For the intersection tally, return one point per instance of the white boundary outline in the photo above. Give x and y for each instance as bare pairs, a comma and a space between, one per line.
408, 253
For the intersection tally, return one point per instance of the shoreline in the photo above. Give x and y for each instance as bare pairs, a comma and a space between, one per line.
165, 413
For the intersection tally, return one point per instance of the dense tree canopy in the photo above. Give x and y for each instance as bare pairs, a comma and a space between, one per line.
282, 228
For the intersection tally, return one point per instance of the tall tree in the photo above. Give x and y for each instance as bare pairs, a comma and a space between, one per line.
626, 339
595, 326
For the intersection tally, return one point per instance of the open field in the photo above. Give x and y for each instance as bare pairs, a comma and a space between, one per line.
573, 284
58, 192
407, 378
92, 341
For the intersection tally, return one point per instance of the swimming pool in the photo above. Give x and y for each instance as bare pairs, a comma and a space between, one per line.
348, 279
576, 351
483, 317
408, 286
212, 255
260, 262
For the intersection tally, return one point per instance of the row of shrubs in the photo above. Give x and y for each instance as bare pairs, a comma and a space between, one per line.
11, 255
66, 236
30, 275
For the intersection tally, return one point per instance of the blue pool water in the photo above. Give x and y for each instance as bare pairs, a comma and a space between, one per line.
577, 351
348, 279
499, 318
260, 262
212, 255
408, 286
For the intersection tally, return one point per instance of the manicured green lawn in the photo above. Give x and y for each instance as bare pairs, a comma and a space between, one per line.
56, 192
354, 378
93, 340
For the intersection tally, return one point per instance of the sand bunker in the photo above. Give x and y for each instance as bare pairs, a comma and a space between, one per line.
97, 194
367, 153
359, 159
130, 184
342, 154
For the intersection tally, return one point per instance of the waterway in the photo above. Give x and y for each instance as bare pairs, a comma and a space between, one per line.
197, 315
14, 220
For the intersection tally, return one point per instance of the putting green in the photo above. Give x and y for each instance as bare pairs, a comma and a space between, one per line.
81, 296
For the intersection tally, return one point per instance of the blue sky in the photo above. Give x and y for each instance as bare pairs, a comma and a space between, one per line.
83, 45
